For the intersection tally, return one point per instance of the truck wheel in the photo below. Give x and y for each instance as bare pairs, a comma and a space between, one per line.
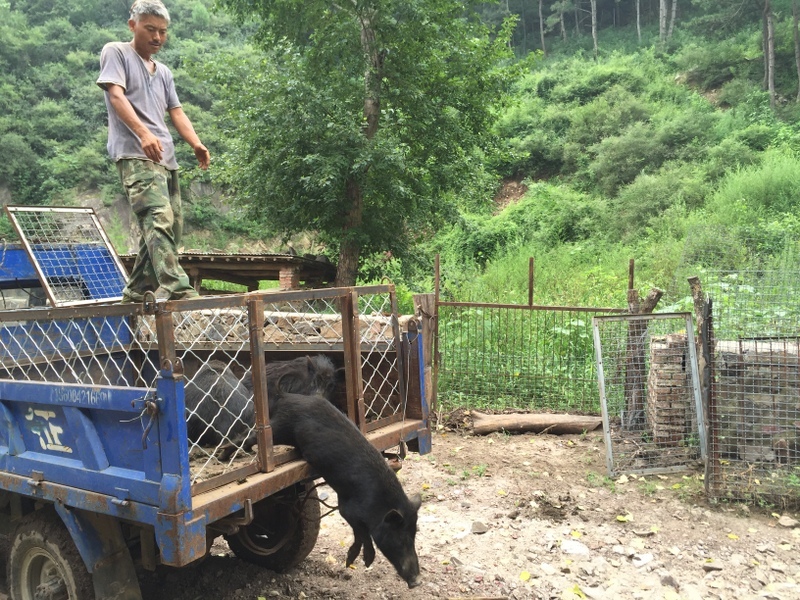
283, 532
43, 562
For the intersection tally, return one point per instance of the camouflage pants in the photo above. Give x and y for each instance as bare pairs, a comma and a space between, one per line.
155, 198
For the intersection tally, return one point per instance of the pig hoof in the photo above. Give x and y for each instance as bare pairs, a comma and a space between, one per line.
414, 583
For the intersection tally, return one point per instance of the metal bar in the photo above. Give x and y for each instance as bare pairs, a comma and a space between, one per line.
357, 365
399, 349
533, 307
530, 281
351, 355
698, 398
435, 359
255, 314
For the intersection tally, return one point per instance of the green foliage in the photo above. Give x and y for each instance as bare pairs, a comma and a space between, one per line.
650, 195
303, 158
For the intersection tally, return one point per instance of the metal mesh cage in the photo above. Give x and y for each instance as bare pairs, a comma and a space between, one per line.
649, 392
224, 350
72, 255
754, 405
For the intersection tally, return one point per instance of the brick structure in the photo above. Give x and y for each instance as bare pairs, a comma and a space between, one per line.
669, 390
289, 278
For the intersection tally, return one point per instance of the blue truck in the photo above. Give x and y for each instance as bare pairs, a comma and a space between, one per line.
97, 475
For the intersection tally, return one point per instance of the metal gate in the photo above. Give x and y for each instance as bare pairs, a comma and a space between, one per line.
649, 392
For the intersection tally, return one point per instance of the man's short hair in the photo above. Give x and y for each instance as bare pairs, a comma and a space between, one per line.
155, 8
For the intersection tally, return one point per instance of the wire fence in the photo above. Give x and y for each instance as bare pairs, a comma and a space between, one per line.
494, 356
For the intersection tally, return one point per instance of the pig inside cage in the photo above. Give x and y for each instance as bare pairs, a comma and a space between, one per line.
236, 354
306, 345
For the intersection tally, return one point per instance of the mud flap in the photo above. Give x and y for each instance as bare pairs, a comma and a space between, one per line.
100, 542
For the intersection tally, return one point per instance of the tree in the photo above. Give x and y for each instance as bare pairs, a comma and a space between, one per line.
796, 36
638, 21
362, 117
769, 51
542, 28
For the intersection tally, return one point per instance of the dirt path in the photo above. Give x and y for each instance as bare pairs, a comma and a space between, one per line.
530, 516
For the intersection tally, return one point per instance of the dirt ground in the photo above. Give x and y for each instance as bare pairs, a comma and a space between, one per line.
533, 516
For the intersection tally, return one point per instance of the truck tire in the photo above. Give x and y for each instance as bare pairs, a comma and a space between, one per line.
283, 532
43, 562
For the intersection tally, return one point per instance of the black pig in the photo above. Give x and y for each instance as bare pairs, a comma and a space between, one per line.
220, 406
371, 498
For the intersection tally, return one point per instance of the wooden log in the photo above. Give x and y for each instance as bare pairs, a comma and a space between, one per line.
538, 423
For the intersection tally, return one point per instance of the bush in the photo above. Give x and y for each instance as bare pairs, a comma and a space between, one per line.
769, 188
710, 65
652, 194
619, 160
727, 156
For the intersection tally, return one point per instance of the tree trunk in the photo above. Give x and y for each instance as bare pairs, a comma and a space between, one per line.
577, 18
541, 29
350, 247
594, 26
639, 20
563, 27
672, 19
662, 21
770, 47
796, 32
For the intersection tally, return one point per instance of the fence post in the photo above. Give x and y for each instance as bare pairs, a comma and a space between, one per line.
703, 320
424, 309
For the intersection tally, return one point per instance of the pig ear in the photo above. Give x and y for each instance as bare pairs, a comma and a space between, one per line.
416, 501
311, 366
394, 518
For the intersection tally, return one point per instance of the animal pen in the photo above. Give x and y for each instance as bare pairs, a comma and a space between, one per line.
718, 388
516, 356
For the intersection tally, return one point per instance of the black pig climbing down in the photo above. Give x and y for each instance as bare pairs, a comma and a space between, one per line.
371, 499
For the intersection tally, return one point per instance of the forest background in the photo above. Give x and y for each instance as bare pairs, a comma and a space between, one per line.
582, 133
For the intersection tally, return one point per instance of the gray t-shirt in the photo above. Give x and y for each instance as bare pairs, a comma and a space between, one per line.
151, 96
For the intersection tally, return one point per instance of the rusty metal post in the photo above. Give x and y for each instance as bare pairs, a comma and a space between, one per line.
351, 334
401, 351
255, 317
435, 330
530, 281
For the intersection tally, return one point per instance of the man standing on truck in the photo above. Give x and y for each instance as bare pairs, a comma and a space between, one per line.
138, 93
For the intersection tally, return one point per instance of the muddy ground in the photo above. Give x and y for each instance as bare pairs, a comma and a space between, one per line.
533, 516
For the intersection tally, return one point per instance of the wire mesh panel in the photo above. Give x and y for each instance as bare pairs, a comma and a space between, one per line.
506, 356
754, 405
303, 335
649, 392
383, 385
71, 254
76, 346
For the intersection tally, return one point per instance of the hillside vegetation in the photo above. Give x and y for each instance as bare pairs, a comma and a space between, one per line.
679, 151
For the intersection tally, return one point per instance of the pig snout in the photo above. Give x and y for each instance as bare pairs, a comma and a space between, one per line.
409, 570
